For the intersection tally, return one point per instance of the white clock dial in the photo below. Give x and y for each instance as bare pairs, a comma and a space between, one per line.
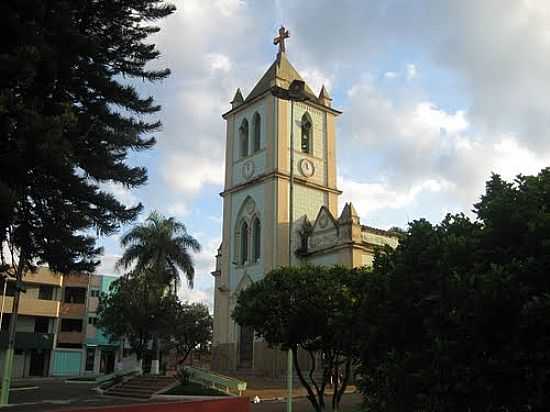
307, 168
248, 169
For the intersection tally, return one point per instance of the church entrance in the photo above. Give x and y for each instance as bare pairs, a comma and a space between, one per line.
246, 344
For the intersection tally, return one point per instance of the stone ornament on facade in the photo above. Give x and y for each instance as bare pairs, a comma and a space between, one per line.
248, 169
250, 206
307, 168
323, 221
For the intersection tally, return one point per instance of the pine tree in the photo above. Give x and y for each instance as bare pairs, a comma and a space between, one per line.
69, 116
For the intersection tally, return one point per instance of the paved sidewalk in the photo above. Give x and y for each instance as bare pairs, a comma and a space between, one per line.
269, 389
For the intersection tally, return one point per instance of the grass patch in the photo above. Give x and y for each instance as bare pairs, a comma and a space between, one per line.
194, 389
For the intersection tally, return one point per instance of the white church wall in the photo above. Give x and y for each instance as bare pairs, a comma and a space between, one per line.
328, 259
319, 143
254, 269
258, 159
308, 201
379, 240
319, 128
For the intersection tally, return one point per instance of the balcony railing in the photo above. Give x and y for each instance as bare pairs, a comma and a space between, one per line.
28, 340
71, 337
73, 310
33, 306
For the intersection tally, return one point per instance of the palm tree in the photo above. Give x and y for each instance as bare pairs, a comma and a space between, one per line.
160, 246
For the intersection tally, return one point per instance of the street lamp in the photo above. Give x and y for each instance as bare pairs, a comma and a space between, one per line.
295, 93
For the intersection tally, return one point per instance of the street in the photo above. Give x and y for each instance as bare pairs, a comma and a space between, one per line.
55, 394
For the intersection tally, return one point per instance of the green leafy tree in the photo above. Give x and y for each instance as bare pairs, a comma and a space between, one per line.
159, 249
68, 120
314, 309
189, 327
135, 309
456, 317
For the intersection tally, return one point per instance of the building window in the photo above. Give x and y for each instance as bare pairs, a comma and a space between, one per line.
94, 293
306, 133
90, 359
257, 239
244, 243
92, 320
10, 288
45, 292
75, 295
5, 321
257, 132
41, 324
71, 325
243, 133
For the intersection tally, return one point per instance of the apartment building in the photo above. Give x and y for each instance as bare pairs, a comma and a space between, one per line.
56, 327
37, 322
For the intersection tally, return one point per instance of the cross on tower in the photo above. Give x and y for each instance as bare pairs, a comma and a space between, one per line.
280, 39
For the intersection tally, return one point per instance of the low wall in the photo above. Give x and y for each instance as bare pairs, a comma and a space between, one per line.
267, 361
217, 405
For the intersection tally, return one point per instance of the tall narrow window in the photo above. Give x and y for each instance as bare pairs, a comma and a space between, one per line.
243, 132
306, 133
257, 132
244, 243
257, 239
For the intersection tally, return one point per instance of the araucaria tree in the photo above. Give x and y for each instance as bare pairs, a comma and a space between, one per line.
68, 118
313, 308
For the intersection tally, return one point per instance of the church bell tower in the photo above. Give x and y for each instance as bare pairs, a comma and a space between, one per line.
256, 192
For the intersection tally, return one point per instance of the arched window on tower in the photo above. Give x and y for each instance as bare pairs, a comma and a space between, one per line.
243, 133
244, 243
257, 132
306, 133
257, 239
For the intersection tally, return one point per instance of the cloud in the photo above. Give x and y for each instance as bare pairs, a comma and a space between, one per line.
188, 174
205, 263
107, 265
411, 71
123, 194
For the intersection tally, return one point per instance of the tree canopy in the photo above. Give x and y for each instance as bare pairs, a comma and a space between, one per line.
458, 316
134, 309
312, 308
68, 119
160, 246
189, 328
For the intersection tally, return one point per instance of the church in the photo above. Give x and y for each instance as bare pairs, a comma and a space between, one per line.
280, 203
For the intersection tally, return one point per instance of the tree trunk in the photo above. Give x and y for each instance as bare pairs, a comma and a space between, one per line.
155, 363
311, 395
8, 355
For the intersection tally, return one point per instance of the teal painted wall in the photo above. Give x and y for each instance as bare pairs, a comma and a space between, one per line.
100, 338
66, 363
106, 282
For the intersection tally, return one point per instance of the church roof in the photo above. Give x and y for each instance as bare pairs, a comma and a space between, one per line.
281, 73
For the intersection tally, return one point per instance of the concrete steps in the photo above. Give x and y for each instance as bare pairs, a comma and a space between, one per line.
140, 387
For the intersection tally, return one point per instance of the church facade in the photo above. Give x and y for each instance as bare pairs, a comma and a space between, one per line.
257, 209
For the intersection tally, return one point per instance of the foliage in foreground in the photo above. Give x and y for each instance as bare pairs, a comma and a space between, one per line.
138, 309
312, 308
457, 318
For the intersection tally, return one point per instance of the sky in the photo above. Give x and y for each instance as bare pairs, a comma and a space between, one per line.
436, 95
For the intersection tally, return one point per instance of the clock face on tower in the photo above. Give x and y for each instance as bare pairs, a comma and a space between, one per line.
307, 168
248, 169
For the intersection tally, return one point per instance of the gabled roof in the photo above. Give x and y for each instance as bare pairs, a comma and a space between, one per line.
281, 73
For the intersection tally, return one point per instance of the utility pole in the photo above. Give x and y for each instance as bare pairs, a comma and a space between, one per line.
295, 93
